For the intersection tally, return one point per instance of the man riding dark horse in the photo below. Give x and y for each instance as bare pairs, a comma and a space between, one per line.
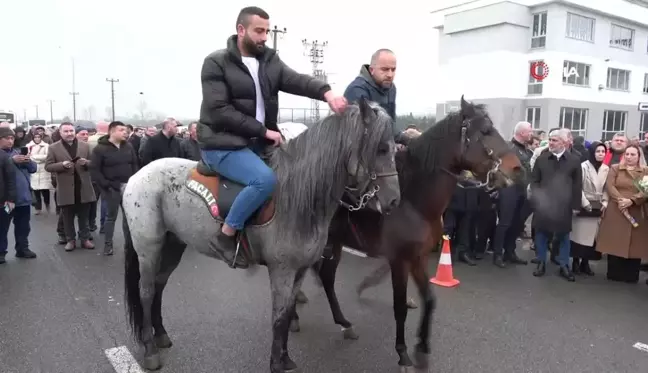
240, 86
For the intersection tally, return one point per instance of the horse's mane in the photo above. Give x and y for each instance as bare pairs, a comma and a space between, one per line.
311, 168
436, 146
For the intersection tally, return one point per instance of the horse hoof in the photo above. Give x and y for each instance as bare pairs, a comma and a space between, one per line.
152, 362
421, 360
408, 369
163, 341
294, 326
289, 365
349, 333
301, 298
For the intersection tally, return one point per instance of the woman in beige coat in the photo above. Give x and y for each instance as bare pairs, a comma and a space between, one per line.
625, 245
585, 224
41, 180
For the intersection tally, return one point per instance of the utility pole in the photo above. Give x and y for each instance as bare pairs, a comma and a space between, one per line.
276, 32
74, 93
315, 51
36, 106
112, 94
51, 111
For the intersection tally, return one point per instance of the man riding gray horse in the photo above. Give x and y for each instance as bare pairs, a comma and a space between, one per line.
240, 86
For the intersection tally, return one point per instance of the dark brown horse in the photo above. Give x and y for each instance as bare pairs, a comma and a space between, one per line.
428, 174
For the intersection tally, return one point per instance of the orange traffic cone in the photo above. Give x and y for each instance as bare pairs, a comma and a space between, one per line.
444, 275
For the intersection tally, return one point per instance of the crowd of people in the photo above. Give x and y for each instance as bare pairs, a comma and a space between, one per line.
77, 173
583, 201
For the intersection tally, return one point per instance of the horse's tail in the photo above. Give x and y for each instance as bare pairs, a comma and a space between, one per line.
132, 282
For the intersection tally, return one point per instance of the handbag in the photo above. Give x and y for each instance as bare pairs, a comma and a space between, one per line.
597, 207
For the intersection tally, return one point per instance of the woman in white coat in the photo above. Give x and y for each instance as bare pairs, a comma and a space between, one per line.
585, 224
41, 180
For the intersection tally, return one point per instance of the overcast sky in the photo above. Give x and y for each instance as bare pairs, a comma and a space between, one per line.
157, 47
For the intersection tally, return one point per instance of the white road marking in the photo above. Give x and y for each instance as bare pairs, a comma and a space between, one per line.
641, 346
354, 252
122, 360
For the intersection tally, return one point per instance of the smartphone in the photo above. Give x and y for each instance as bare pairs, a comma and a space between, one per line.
24, 150
75, 159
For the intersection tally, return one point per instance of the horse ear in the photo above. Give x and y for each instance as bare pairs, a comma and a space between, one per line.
467, 108
365, 109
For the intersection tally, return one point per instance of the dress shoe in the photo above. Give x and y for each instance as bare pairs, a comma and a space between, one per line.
535, 261
576, 266
514, 259
25, 254
498, 261
585, 268
464, 257
567, 274
540, 270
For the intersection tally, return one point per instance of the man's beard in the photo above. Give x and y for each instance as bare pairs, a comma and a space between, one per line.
253, 48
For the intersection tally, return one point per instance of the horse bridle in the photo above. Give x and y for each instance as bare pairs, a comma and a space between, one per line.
465, 141
365, 191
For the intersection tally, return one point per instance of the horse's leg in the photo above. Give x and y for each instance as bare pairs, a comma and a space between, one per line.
171, 254
375, 278
327, 272
399, 286
282, 287
148, 273
288, 364
419, 270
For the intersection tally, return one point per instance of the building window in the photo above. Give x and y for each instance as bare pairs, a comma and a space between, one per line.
613, 122
579, 27
645, 86
573, 119
535, 86
539, 36
643, 126
622, 37
576, 73
533, 117
618, 79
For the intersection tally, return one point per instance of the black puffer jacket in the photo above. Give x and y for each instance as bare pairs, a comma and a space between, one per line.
228, 110
111, 166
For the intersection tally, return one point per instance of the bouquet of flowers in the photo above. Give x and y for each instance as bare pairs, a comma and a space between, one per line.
642, 185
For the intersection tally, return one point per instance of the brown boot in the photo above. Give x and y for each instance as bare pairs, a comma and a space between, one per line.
70, 245
87, 244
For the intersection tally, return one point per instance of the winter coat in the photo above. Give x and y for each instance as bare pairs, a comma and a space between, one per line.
41, 179
23, 171
585, 226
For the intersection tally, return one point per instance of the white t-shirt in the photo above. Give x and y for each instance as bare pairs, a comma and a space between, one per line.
253, 65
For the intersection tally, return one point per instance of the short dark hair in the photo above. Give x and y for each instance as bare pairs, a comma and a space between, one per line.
115, 124
130, 127
245, 14
67, 124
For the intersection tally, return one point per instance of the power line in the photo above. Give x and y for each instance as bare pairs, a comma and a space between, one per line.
315, 51
112, 94
276, 32
51, 102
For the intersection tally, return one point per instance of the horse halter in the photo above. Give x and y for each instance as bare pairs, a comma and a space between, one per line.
361, 194
465, 141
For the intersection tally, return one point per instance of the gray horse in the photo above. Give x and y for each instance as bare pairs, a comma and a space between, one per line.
351, 153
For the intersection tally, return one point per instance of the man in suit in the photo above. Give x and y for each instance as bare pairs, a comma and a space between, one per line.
69, 159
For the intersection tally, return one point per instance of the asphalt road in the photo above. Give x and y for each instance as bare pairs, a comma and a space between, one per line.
61, 311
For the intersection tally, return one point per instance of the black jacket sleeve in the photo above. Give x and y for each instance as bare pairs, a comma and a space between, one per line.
96, 168
577, 185
301, 84
135, 159
9, 174
146, 151
216, 99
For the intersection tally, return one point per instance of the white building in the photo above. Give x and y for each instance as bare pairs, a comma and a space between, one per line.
596, 52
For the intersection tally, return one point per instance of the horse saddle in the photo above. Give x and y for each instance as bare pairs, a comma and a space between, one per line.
219, 194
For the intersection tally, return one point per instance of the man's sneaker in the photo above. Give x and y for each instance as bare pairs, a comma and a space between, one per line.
108, 249
25, 254
2, 259
87, 244
70, 245
225, 247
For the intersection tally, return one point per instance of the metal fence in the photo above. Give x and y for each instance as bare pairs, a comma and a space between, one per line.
301, 115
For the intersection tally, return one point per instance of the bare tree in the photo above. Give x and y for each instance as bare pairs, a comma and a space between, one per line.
142, 110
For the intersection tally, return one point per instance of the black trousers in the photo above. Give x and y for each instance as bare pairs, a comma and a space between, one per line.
460, 227
486, 222
92, 217
513, 209
41, 196
81, 212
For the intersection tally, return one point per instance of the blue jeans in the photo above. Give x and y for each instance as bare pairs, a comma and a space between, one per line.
245, 167
542, 246
21, 217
